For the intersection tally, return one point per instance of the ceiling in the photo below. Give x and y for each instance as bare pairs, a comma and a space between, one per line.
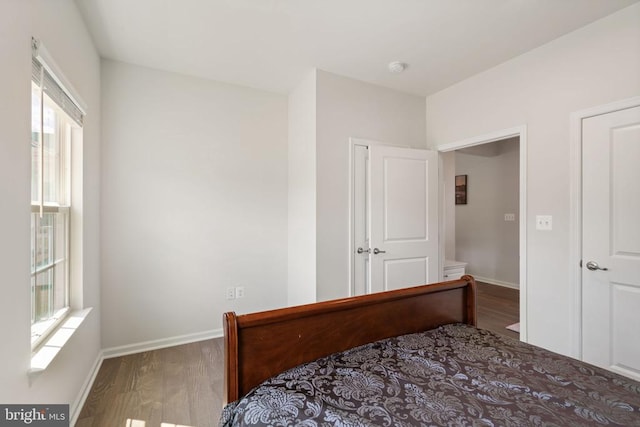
271, 44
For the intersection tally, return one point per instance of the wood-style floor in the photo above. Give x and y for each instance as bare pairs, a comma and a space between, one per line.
182, 385
498, 307
175, 386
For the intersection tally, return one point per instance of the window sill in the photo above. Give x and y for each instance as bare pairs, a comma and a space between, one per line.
40, 331
45, 354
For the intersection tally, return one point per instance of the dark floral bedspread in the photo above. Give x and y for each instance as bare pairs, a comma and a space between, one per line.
455, 375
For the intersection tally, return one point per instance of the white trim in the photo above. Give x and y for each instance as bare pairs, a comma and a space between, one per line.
56, 340
521, 132
46, 328
441, 211
483, 139
496, 282
161, 343
575, 206
76, 407
351, 211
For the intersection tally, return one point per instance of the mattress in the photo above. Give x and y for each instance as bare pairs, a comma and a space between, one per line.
455, 375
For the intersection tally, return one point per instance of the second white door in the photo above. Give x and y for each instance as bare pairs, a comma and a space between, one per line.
611, 241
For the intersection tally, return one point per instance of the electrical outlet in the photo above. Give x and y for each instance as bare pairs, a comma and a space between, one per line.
230, 293
239, 291
544, 222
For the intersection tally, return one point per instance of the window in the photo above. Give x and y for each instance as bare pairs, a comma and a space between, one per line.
55, 123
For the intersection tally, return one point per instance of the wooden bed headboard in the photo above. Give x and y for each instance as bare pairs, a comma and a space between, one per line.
261, 345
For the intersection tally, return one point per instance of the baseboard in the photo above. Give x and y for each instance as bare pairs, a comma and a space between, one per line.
76, 408
496, 282
161, 343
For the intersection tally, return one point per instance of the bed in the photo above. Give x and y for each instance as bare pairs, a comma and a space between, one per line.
404, 358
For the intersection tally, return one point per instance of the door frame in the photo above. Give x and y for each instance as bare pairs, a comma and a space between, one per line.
521, 133
575, 207
351, 244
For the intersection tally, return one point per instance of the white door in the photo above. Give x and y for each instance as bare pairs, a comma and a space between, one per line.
403, 218
611, 241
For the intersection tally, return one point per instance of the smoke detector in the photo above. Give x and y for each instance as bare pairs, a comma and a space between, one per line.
397, 67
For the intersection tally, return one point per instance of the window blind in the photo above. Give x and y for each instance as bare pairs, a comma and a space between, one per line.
56, 92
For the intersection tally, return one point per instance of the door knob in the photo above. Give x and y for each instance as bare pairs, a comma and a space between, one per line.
593, 266
377, 251
363, 251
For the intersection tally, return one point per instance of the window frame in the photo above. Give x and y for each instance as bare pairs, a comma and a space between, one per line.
65, 133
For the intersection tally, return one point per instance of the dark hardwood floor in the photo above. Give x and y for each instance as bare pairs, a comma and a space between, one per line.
177, 386
182, 385
498, 307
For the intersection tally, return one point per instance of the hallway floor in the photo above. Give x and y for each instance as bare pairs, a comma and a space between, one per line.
498, 307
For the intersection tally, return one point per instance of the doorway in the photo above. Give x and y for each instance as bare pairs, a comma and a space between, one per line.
484, 230
486, 219
520, 217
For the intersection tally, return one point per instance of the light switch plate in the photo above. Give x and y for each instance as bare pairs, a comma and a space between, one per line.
509, 217
544, 222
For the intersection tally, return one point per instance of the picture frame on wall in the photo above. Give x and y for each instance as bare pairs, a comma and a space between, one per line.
461, 189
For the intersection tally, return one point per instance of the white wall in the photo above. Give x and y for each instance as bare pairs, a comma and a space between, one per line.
69, 43
302, 192
194, 201
597, 64
351, 108
484, 240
